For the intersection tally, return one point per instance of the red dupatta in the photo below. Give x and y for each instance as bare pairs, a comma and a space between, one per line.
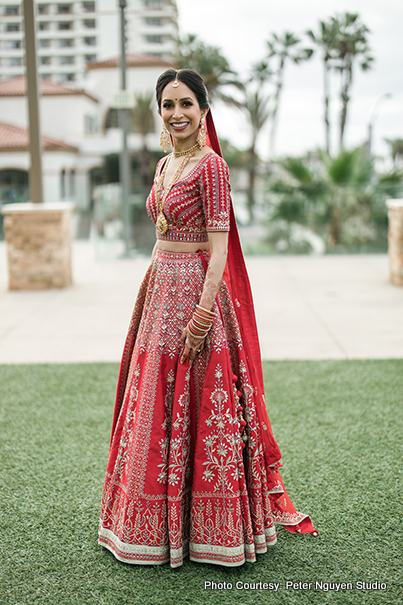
237, 280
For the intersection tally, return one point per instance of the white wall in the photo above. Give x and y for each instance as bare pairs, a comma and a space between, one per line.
14, 161
13, 110
62, 117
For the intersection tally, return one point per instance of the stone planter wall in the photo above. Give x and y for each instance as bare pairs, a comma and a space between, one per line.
38, 242
395, 241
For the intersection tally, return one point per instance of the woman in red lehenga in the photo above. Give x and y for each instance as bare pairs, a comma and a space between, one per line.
193, 464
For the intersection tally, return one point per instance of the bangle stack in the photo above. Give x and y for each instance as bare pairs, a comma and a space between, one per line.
201, 322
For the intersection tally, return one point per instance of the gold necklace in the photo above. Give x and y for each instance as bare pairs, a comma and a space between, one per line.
162, 223
177, 154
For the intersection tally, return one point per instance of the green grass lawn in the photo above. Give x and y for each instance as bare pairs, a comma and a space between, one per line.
339, 427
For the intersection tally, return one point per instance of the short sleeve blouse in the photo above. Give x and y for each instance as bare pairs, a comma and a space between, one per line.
198, 203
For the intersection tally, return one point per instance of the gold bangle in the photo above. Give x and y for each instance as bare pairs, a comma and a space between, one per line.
205, 310
197, 331
199, 323
195, 335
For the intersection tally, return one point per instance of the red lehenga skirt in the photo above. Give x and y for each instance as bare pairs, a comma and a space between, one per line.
181, 478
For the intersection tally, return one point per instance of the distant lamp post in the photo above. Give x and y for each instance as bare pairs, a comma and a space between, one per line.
124, 125
374, 116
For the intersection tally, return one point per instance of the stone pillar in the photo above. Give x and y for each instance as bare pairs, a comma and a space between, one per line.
395, 241
38, 242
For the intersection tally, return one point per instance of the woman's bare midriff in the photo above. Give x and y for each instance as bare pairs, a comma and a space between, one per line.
182, 246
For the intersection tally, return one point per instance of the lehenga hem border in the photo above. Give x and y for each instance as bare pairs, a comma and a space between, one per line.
199, 553
111, 548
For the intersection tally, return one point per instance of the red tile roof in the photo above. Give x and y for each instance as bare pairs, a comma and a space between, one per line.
131, 61
16, 87
13, 138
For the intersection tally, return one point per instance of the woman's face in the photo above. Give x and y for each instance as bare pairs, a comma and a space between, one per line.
180, 112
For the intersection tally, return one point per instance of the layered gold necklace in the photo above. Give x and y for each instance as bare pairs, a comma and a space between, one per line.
162, 223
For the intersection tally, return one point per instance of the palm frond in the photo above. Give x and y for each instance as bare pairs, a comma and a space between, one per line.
297, 169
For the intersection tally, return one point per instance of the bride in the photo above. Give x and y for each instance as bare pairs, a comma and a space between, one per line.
193, 464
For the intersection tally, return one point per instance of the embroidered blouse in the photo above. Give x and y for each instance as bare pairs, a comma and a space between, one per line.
197, 203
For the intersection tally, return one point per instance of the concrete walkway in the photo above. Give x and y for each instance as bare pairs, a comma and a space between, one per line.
329, 307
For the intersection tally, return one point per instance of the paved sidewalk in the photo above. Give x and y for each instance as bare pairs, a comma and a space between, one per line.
329, 307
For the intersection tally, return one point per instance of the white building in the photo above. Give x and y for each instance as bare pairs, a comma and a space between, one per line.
73, 134
72, 33
67, 115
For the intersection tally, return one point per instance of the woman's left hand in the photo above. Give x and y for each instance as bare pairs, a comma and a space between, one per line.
192, 346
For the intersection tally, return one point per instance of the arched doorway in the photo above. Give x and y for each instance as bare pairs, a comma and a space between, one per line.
14, 186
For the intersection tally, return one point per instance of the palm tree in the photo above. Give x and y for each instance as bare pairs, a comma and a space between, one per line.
256, 108
340, 190
142, 120
351, 45
285, 47
208, 61
396, 149
326, 41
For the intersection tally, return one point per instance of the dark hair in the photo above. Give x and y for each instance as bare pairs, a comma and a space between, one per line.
191, 78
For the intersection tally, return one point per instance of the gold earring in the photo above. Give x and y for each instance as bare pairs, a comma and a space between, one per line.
165, 139
201, 137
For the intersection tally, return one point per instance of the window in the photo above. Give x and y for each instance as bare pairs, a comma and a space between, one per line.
90, 41
45, 60
88, 7
13, 27
66, 77
43, 9
154, 21
89, 23
111, 118
11, 44
46, 76
153, 4
64, 9
65, 43
66, 60
63, 25
43, 25
14, 61
72, 183
90, 124
44, 43
63, 184
154, 39
90, 58
12, 10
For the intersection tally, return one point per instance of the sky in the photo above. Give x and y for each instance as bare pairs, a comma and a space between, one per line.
240, 29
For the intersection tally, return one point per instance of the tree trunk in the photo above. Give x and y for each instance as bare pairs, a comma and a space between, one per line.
334, 228
276, 105
345, 91
252, 169
145, 165
327, 101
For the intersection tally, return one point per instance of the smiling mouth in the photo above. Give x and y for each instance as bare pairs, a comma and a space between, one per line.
179, 125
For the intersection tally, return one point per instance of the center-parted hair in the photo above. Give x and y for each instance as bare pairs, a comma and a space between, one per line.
191, 78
